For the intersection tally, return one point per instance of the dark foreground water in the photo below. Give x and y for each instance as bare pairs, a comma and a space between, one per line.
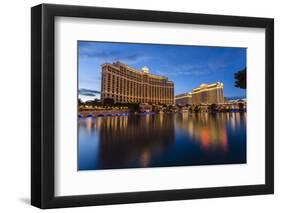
179, 139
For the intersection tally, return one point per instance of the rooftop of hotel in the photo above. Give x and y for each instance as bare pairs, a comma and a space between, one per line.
208, 86
144, 71
187, 94
202, 86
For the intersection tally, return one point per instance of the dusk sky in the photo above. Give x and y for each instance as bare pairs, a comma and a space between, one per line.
186, 66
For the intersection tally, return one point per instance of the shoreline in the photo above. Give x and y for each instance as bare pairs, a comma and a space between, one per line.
93, 114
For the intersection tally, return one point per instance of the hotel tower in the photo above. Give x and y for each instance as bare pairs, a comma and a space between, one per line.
205, 94
125, 84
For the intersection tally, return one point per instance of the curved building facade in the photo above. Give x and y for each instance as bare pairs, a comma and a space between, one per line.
125, 84
208, 94
184, 99
205, 94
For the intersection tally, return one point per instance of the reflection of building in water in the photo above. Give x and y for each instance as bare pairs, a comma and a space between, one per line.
132, 142
205, 94
210, 130
124, 84
164, 139
235, 120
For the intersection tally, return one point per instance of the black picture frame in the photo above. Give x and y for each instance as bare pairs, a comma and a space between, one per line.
43, 111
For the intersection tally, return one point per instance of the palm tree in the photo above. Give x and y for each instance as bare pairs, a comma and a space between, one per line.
212, 107
241, 78
196, 109
79, 102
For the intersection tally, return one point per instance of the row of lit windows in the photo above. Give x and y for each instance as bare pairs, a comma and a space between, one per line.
134, 88
114, 95
215, 96
138, 91
136, 100
138, 77
120, 81
123, 73
143, 93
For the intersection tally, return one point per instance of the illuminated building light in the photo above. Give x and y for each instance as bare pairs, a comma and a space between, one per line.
125, 84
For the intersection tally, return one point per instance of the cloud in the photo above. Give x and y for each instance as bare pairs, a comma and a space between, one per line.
193, 69
109, 55
197, 69
217, 64
88, 92
189, 69
87, 53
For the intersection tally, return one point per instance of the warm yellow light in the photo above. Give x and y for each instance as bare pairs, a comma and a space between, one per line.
145, 69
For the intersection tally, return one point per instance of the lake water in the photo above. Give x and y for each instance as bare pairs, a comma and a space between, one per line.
161, 140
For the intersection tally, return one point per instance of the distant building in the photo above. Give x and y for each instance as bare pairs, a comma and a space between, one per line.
205, 94
225, 99
145, 107
208, 94
125, 84
183, 99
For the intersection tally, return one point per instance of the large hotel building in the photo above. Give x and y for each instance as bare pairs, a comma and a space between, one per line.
125, 84
205, 94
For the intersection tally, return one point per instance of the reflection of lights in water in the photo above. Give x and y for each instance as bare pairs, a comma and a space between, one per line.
144, 158
206, 117
205, 137
125, 121
111, 122
115, 122
191, 129
147, 117
209, 130
185, 116
161, 119
89, 124
224, 141
121, 122
232, 121
238, 119
107, 121
227, 116
98, 122
223, 117
168, 138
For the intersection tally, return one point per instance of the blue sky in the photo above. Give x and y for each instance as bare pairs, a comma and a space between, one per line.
187, 66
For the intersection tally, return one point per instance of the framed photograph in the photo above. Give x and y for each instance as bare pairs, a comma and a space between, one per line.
139, 106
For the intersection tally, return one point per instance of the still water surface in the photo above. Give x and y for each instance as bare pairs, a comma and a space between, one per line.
176, 139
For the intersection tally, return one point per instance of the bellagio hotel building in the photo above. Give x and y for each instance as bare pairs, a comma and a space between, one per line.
125, 84
205, 94
208, 94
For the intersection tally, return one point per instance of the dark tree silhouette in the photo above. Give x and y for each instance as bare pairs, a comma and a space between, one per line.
241, 106
196, 109
108, 101
213, 107
79, 101
241, 78
134, 107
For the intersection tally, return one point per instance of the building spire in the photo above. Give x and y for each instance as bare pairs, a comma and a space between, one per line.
145, 69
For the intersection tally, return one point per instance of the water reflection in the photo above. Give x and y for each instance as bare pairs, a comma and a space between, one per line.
161, 140
210, 130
